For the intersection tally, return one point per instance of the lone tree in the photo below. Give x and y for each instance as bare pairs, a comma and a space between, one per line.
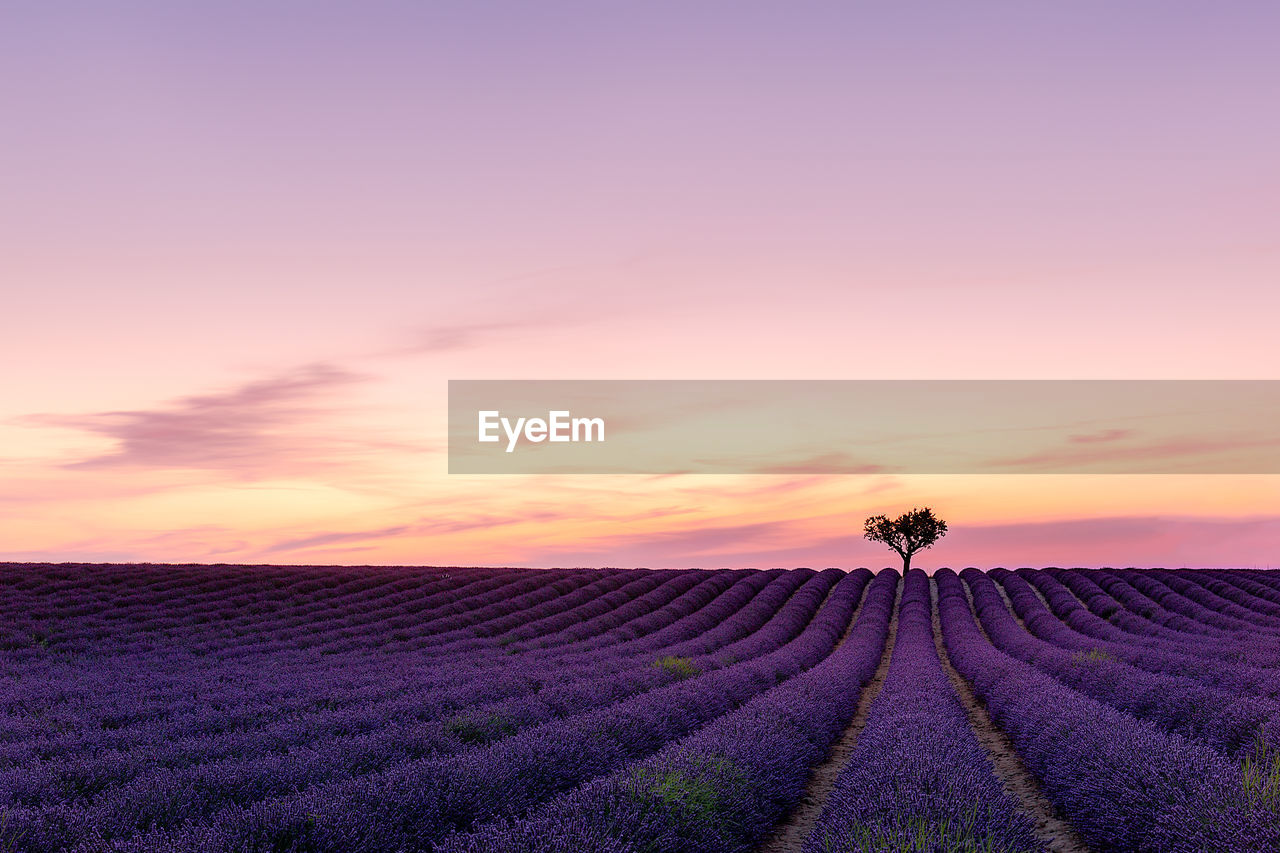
910, 532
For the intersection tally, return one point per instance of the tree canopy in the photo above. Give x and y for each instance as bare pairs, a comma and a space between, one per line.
908, 533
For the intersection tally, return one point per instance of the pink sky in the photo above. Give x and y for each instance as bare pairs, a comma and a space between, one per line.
243, 247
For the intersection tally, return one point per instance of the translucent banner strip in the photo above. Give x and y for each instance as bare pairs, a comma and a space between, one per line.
864, 427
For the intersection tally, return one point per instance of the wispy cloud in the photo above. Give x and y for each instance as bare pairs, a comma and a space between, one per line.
1117, 541
464, 335
683, 547
458, 336
424, 527
307, 542
824, 463
256, 428
1100, 436
1186, 453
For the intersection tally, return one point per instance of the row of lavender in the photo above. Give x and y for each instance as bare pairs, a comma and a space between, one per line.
1130, 757
160, 799
612, 614
172, 767
414, 805
508, 710
170, 685
918, 779
1110, 749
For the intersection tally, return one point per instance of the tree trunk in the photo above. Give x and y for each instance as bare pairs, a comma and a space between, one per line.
906, 563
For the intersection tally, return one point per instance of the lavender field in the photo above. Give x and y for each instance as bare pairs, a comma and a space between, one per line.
368, 709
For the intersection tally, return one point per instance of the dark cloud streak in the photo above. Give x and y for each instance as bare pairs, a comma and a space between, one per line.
254, 429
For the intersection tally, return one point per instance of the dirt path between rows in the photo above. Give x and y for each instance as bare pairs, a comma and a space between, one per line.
1054, 832
789, 835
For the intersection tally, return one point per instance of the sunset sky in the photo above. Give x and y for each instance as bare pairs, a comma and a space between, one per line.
245, 245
